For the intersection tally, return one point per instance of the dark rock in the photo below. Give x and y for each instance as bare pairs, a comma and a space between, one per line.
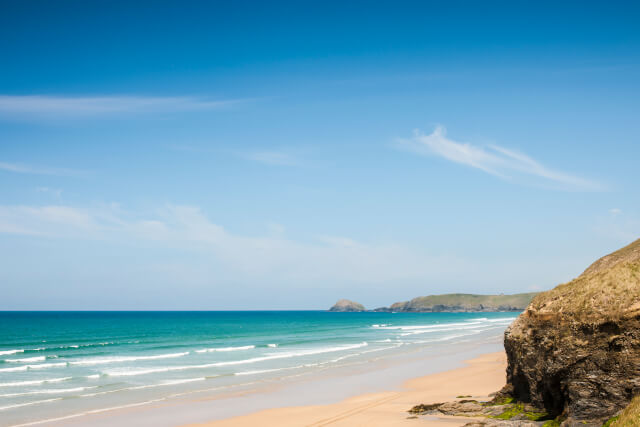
575, 351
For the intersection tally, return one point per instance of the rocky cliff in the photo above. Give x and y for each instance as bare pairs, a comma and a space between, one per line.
575, 350
463, 303
347, 305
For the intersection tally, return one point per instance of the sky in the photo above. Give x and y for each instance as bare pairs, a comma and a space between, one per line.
186, 155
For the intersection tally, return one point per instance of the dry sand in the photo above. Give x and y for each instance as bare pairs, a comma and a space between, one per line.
478, 378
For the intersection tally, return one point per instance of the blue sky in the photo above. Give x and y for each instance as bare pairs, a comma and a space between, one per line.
254, 155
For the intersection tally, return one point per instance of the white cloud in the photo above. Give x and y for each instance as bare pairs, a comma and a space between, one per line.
36, 170
69, 106
269, 257
55, 192
615, 211
493, 159
53, 220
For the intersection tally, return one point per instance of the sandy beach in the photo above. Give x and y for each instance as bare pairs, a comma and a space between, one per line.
478, 378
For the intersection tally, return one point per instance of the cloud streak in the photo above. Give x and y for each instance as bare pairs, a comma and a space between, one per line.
271, 256
493, 159
92, 106
36, 170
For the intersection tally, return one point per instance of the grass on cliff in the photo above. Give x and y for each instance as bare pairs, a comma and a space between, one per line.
609, 288
630, 417
469, 300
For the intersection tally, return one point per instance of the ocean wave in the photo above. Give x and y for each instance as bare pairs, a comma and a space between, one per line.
142, 387
457, 328
431, 326
48, 391
216, 349
5, 352
34, 367
37, 402
273, 356
34, 382
119, 359
93, 411
264, 371
272, 345
26, 359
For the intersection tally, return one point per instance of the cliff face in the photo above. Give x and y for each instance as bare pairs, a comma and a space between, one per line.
465, 303
576, 349
347, 305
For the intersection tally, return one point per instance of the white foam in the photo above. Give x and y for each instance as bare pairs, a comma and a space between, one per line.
94, 411
19, 405
119, 359
127, 373
272, 345
4, 352
264, 371
26, 359
93, 377
36, 382
211, 350
34, 367
457, 328
184, 381
48, 391
432, 326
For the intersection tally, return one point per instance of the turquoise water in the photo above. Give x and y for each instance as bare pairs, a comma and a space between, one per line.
58, 365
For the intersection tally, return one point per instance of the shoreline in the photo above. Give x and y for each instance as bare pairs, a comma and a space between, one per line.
478, 378
367, 378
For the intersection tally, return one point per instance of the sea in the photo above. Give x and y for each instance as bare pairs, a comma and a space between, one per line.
57, 366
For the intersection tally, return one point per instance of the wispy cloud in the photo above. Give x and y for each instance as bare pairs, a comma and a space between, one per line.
91, 106
269, 256
273, 158
36, 170
493, 159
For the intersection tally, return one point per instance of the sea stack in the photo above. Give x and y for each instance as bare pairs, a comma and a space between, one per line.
575, 351
345, 305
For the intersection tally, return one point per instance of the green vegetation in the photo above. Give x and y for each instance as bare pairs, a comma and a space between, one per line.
511, 412
583, 297
499, 401
552, 423
462, 396
466, 302
536, 416
518, 409
610, 421
630, 417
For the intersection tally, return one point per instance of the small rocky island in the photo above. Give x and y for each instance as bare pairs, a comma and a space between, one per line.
345, 305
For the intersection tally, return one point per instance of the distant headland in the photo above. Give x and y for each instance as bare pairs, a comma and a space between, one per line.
456, 303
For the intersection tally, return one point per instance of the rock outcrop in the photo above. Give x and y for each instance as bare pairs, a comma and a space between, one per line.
575, 350
488, 414
347, 305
